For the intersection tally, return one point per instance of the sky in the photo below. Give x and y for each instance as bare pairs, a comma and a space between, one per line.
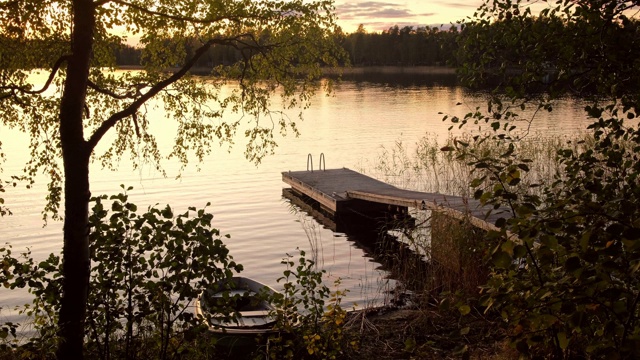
380, 15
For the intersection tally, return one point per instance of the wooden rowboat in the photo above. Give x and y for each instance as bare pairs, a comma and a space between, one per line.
247, 297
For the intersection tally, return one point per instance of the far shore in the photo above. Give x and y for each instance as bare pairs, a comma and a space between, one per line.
417, 70
354, 70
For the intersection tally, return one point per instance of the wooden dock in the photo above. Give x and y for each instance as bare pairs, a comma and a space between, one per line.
335, 189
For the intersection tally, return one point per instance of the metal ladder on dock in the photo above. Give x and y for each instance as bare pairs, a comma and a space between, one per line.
322, 166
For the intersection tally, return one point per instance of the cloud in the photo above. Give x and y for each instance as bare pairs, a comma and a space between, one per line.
378, 15
374, 10
458, 5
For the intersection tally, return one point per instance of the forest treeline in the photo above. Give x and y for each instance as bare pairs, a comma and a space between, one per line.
406, 46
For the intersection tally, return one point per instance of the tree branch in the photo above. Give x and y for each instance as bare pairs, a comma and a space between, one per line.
54, 70
110, 93
154, 90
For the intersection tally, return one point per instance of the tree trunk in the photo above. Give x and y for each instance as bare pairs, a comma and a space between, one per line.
75, 155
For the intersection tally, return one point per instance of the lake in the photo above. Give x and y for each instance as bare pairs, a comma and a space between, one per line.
349, 128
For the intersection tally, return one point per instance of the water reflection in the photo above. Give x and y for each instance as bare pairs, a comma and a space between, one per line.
401, 79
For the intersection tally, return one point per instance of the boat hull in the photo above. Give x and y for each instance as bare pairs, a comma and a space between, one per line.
247, 298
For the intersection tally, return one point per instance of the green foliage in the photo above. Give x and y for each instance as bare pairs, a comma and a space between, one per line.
277, 55
588, 48
7, 333
42, 279
406, 46
3, 210
565, 271
147, 270
305, 328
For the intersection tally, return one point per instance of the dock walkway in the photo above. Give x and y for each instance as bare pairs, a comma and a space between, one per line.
335, 188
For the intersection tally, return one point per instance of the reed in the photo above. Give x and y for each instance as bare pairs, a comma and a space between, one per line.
423, 166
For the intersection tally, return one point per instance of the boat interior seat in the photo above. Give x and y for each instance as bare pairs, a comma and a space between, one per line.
254, 313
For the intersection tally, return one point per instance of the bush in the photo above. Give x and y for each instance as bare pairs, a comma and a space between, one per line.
305, 328
565, 274
147, 271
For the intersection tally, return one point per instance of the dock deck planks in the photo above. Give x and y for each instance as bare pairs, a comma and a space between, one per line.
334, 188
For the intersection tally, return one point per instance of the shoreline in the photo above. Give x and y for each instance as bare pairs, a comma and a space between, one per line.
391, 70
355, 70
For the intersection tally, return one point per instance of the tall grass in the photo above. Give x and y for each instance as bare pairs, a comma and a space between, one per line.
423, 166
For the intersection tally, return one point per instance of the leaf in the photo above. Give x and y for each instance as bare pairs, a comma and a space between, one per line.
519, 252
461, 350
478, 194
410, 344
563, 342
508, 247
502, 260
464, 309
445, 304
477, 182
615, 229
525, 210
514, 181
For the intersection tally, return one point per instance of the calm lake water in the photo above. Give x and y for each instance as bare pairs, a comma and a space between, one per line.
349, 128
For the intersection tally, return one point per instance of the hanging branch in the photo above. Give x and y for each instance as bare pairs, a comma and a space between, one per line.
54, 70
110, 93
154, 90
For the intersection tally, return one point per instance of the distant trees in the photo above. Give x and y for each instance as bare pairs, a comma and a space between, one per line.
406, 46
127, 55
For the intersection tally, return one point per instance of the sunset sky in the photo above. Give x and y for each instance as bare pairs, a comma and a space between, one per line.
382, 14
